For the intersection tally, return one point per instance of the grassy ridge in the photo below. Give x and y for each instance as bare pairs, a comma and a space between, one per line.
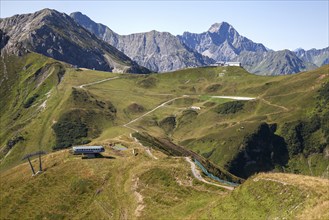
274, 196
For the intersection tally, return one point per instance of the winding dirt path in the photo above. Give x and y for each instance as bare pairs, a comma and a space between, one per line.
97, 82
139, 197
149, 112
275, 105
197, 175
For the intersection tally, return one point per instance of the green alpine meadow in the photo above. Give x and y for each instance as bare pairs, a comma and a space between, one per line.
97, 125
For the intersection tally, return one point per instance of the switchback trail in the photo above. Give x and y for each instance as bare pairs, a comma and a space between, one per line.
197, 175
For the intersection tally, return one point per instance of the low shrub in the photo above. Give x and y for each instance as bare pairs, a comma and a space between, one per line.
30, 101
229, 107
70, 130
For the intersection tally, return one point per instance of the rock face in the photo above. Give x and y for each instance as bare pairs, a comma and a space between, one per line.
318, 57
221, 42
273, 62
57, 35
158, 51
261, 151
3, 39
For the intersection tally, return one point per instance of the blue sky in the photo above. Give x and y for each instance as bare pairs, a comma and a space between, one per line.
277, 24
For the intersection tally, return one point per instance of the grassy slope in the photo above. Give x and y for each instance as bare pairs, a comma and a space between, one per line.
138, 187
34, 123
22, 84
274, 195
280, 99
102, 188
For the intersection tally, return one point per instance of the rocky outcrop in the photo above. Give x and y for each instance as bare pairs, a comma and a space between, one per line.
57, 35
3, 39
273, 62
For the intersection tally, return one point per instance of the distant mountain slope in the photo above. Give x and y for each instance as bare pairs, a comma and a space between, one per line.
273, 62
318, 57
221, 42
56, 35
158, 51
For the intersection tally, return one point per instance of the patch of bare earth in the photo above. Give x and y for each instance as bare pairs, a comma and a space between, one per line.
139, 197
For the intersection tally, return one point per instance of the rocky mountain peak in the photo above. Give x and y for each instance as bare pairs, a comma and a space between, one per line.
49, 15
57, 35
46, 12
220, 42
220, 27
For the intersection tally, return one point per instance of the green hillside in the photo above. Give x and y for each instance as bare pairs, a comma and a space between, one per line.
124, 186
279, 124
47, 105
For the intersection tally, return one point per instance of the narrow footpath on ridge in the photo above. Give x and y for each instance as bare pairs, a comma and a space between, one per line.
147, 149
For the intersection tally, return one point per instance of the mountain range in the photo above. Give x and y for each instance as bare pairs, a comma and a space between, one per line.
78, 40
162, 51
158, 51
